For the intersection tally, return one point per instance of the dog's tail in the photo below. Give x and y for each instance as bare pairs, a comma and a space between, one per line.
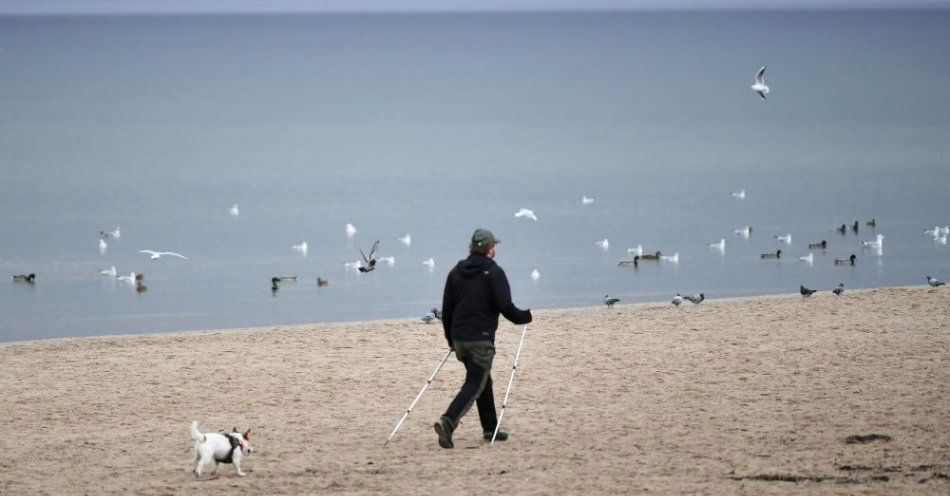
195, 433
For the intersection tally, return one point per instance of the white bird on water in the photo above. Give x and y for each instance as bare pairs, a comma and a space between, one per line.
745, 232
524, 212
155, 255
129, 278
103, 246
760, 87
739, 195
721, 245
674, 258
535, 275
638, 251
109, 272
350, 230
111, 234
878, 242
604, 244
390, 261
235, 210
586, 201
430, 263
406, 240
352, 265
301, 248
808, 258
786, 238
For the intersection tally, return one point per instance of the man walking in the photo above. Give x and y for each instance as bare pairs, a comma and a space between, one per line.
476, 291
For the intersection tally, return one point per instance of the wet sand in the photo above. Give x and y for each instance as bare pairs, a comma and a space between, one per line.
738, 396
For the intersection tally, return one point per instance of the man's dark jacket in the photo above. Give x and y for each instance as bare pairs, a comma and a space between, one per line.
476, 291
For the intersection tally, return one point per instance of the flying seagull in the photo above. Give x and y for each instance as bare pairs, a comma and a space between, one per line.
369, 263
524, 212
155, 255
428, 318
610, 301
760, 87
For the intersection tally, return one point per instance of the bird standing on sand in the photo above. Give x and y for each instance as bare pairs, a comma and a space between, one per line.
932, 281
610, 301
695, 299
428, 318
807, 292
677, 300
839, 290
155, 255
760, 87
369, 263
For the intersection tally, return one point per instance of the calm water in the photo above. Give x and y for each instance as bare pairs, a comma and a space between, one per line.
437, 124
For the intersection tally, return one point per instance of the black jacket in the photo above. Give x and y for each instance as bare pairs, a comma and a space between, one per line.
476, 291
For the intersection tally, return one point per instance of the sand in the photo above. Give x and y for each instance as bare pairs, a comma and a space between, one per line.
740, 396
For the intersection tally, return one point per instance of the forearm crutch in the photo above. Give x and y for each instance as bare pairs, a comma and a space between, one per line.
511, 379
409, 410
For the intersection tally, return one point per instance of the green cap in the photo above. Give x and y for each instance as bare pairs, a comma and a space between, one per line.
483, 237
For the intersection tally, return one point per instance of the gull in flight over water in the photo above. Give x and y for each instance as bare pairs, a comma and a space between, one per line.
524, 212
586, 201
604, 244
369, 263
739, 195
406, 240
155, 255
760, 87
350, 230
302, 248
235, 210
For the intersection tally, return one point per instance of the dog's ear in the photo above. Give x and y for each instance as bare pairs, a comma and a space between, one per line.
234, 430
247, 434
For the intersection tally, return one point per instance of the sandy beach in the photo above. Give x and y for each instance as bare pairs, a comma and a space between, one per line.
741, 396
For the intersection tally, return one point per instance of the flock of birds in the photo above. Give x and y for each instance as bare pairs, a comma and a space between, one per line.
367, 263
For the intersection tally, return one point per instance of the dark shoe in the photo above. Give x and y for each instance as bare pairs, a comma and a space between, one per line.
444, 429
502, 436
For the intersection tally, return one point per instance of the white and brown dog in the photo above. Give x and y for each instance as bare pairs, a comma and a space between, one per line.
219, 447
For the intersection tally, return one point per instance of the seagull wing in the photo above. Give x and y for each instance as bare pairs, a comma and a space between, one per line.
372, 253
760, 76
761, 94
179, 255
364, 256
148, 252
